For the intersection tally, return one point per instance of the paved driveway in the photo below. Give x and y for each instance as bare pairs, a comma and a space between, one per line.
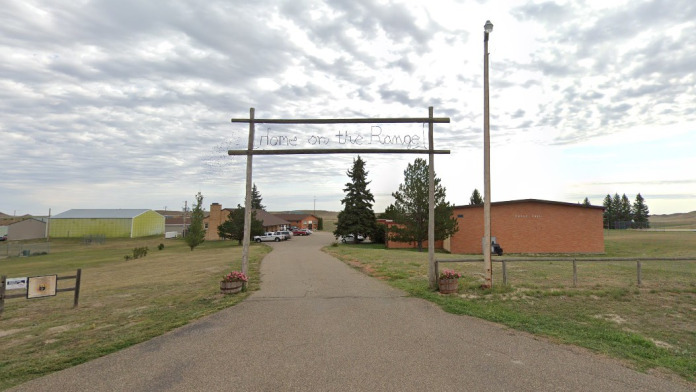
318, 325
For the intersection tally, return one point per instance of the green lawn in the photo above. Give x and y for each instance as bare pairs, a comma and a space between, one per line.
652, 326
121, 302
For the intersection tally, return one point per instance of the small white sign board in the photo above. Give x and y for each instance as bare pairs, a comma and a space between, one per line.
41, 286
16, 283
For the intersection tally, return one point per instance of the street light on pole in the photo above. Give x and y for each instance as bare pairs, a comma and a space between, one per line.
488, 266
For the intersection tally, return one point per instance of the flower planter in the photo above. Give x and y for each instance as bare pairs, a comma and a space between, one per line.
230, 287
448, 286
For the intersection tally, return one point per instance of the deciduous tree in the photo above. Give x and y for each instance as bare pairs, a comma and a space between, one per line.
410, 208
196, 233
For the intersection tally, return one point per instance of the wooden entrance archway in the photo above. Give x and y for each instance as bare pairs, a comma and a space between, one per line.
250, 152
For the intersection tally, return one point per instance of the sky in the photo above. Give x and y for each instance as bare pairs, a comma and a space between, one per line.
128, 104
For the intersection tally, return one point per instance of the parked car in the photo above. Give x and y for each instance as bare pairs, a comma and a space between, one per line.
269, 237
286, 234
3, 238
351, 238
300, 232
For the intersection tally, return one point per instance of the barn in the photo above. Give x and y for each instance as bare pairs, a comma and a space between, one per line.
26, 229
531, 226
110, 223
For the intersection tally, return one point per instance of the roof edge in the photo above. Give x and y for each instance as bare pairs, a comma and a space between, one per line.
520, 201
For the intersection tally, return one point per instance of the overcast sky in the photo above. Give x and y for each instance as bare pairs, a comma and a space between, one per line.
127, 104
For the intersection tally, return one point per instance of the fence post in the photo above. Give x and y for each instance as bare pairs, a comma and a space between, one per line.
575, 273
504, 272
640, 280
3, 283
77, 287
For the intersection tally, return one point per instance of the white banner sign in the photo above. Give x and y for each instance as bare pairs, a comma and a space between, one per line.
16, 283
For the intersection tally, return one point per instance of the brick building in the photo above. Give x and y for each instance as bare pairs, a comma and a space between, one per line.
391, 244
271, 222
302, 221
531, 226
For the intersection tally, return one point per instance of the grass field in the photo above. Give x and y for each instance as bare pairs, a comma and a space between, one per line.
674, 221
121, 302
652, 327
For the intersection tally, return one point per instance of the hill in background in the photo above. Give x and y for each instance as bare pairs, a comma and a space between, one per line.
674, 221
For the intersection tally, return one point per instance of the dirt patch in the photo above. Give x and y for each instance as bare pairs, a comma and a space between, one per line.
614, 318
62, 328
11, 332
662, 344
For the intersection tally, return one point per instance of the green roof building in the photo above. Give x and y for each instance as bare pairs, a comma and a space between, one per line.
110, 223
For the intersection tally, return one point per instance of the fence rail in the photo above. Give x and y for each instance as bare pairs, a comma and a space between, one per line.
505, 260
23, 294
18, 249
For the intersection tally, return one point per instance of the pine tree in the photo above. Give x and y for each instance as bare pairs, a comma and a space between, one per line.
357, 216
256, 199
196, 233
609, 213
233, 227
475, 199
410, 208
586, 202
625, 215
641, 213
616, 211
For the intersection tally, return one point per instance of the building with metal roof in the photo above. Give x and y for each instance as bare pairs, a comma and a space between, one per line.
110, 223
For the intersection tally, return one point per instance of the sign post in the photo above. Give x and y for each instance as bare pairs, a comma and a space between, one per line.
37, 287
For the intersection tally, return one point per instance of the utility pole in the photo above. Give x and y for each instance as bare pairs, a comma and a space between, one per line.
488, 265
183, 225
48, 226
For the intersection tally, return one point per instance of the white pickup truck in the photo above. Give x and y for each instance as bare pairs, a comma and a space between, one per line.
277, 237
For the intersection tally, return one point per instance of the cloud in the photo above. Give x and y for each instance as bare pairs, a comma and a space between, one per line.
136, 97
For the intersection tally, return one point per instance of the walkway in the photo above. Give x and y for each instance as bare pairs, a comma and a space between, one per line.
318, 325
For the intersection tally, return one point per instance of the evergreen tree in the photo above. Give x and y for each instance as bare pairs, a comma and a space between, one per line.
233, 227
411, 208
320, 223
475, 199
609, 213
357, 216
256, 199
586, 202
196, 233
390, 213
641, 213
616, 211
625, 215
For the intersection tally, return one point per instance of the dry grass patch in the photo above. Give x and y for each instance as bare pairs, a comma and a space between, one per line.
121, 302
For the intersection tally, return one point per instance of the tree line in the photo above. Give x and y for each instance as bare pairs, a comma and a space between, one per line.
619, 213
409, 212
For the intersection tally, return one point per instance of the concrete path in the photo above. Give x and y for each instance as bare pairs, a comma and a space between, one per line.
318, 325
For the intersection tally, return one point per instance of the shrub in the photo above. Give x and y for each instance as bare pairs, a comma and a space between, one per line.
160, 246
139, 252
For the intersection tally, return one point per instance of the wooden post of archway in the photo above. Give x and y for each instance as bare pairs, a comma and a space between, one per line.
250, 152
